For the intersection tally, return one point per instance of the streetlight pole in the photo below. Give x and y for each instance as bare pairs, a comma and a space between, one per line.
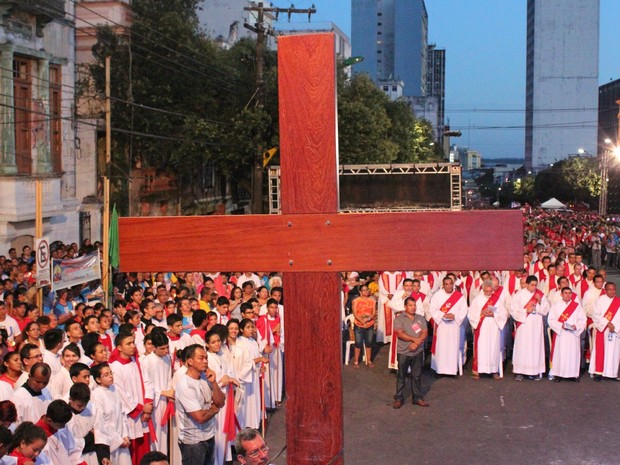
602, 202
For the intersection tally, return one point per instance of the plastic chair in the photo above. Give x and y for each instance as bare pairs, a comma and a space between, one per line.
347, 353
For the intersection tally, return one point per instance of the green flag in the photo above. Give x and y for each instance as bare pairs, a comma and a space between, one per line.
113, 241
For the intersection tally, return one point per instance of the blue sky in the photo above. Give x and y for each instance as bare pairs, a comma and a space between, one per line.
485, 62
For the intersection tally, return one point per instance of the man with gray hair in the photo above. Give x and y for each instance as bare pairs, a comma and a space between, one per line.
251, 448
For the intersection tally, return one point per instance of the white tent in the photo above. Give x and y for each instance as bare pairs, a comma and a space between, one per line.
552, 204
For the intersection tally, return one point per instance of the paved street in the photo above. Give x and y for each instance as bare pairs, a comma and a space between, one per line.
474, 422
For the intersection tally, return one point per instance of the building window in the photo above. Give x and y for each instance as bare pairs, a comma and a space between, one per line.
386, 88
55, 117
394, 88
22, 97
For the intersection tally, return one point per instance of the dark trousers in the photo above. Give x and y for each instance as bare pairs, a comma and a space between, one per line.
198, 454
404, 363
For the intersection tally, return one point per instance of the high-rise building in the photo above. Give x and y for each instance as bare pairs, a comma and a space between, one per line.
561, 80
436, 83
392, 36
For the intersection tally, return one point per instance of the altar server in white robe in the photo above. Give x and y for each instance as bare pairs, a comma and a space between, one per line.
270, 334
528, 307
220, 361
567, 320
130, 385
31, 400
248, 363
157, 375
605, 356
448, 309
110, 426
487, 316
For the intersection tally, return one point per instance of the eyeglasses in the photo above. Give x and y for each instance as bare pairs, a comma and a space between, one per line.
255, 453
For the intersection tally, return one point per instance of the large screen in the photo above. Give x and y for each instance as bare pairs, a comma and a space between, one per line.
395, 191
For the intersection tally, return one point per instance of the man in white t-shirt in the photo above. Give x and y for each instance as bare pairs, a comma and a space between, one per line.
10, 325
197, 402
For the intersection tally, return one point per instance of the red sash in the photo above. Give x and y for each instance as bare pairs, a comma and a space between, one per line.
553, 283
418, 295
265, 327
445, 308
431, 279
542, 276
537, 293
231, 423
387, 311
490, 303
512, 283
584, 287
563, 318
600, 336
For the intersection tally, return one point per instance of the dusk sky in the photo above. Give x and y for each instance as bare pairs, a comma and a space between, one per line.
485, 63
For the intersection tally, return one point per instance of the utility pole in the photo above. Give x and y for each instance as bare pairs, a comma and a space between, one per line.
261, 32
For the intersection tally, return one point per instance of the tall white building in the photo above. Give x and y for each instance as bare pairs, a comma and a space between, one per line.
562, 80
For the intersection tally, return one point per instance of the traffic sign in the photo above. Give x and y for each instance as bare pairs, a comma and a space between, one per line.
43, 254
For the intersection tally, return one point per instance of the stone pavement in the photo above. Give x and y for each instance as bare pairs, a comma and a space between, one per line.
473, 422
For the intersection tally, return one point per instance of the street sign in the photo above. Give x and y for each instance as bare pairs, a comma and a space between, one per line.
42, 248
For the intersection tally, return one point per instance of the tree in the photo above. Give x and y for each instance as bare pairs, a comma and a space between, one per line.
574, 179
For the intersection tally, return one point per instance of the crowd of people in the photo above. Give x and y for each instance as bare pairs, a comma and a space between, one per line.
556, 316
180, 362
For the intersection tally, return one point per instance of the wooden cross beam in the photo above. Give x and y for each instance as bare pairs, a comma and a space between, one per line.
311, 242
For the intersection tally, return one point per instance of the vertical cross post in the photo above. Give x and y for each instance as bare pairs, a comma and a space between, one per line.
309, 160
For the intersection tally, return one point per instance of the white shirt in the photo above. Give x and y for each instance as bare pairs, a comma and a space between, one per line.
192, 395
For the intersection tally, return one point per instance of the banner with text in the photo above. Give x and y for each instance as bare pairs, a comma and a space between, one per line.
70, 272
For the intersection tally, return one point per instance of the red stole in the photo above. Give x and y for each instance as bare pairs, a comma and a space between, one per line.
563, 318
198, 332
418, 295
512, 284
489, 303
600, 336
553, 283
542, 276
265, 327
584, 287
445, 308
537, 293
387, 311
430, 279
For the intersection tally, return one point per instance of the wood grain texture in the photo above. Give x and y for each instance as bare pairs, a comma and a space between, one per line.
313, 369
365, 241
308, 125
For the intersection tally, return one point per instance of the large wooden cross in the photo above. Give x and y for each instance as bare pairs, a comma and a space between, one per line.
311, 242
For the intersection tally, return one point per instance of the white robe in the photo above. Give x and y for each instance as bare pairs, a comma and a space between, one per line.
110, 424
612, 342
566, 356
60, 384
488, 349
222, 364
589, 299
389, 283
529, 346
274, 375
129, 386
157, 376
244, 352
445, 360
79, 426
30, 408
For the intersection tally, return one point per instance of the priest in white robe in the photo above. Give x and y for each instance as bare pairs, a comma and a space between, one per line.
567, 320
605, 356
528, 307
487, 316
448, 310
